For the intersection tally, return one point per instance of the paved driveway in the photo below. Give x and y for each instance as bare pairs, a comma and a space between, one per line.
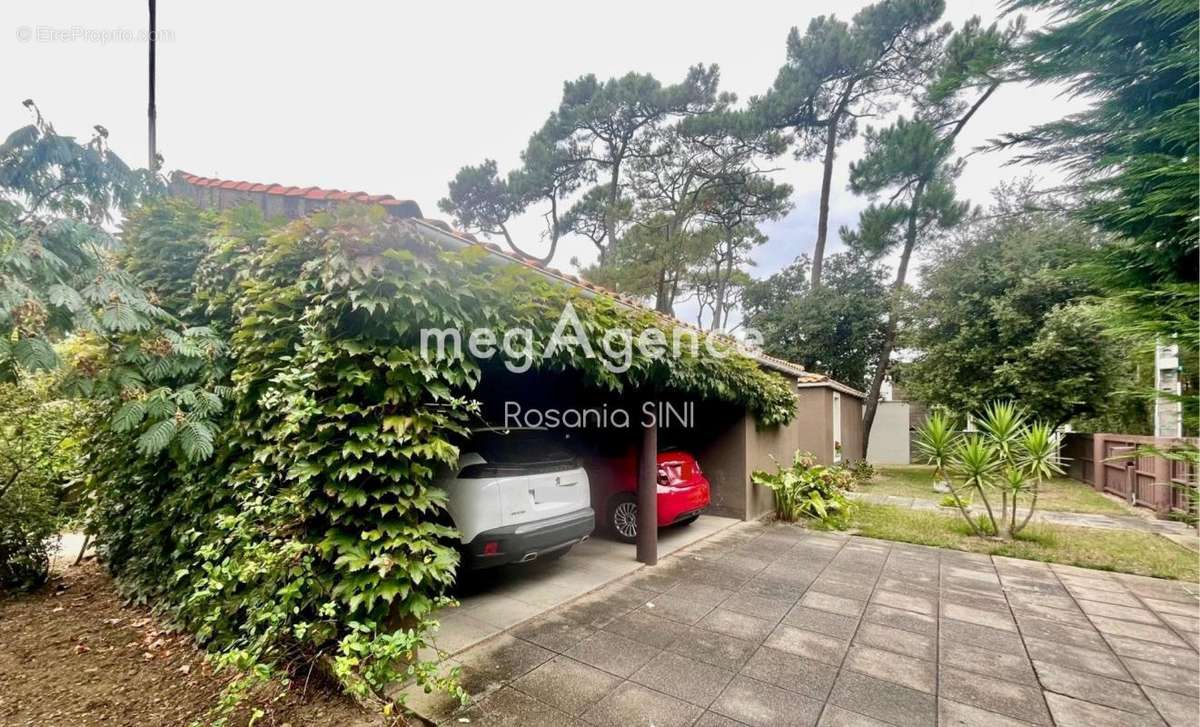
775, 625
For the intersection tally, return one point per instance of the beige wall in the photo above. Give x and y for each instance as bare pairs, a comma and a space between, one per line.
815, 423
765, 448
889, 434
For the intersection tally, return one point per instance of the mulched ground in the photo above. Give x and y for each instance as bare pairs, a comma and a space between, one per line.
72, 654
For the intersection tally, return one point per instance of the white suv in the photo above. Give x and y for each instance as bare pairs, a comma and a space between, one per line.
517, 495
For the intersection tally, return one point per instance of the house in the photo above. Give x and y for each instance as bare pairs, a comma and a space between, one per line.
727, 440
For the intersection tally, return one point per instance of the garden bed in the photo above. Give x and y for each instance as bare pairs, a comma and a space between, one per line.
72, 654
1059, 493
1125, 552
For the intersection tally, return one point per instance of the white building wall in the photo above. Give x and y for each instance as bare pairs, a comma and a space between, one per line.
889, 434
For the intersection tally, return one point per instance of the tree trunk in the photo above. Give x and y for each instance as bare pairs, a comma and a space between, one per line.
823, 208
889, 338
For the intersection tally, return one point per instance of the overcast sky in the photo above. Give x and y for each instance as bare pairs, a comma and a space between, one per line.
395, 97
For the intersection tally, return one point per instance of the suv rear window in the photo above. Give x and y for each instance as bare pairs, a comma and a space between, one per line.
530, 451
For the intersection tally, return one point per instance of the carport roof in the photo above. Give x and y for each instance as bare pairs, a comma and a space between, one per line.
259, 192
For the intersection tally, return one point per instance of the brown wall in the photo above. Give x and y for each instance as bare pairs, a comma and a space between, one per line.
814, 423
723, 458
767, 447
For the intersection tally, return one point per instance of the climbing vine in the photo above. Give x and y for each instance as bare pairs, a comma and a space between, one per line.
313, 532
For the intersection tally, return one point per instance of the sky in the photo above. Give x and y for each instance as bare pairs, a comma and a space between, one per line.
393, 98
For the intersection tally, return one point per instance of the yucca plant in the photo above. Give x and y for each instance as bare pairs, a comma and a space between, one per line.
975, 461
936, 440
1038, 460
1009, 454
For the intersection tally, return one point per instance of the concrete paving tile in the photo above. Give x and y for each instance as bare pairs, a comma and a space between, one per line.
767, 609
1087, 638
683, 678
918, 646
1030, 601
1113, 693
1123, 613
994, 695
457, 631
900, 619
553, 631
646, 628
835, 716
758, 704
892, 667
712, 648
1183, 624
1149, 651
1176, 709
1164, 676
1145, 632
511, 708
1090, 660
889, 582
957, 714
882, 700
1070, 712
994, 603
1118, 597
981, 636
677, 608
701, 593
774, 589
712, 719
504, 657
788, 671
906, 601
833, 604
981, 617
504, 612
1011, 667
567, 684
808, 644
612, 653
1187, 608
823, 622
1067, 617
856, 589
737, 625
631, 705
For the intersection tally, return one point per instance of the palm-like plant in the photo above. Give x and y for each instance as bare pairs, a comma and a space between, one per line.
936, 440
1038, 461
1009, 453
975, 461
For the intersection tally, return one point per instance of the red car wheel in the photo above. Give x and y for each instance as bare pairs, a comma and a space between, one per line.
622, 518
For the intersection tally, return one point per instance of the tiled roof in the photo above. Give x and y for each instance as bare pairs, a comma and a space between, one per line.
410, 209
399, 207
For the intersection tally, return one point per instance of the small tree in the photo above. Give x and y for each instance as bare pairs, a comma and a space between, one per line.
1009, 454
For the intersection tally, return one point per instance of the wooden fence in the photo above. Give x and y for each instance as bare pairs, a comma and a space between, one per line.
1111, 463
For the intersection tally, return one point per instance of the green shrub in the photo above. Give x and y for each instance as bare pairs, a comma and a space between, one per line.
39, 440
808, 490
862, 471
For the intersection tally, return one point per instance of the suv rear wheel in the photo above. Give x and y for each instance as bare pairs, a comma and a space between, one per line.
622, 518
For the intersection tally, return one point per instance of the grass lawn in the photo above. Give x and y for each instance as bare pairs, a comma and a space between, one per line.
1125, 552
1057, 494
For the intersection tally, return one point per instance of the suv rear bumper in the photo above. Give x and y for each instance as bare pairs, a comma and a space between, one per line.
528, 541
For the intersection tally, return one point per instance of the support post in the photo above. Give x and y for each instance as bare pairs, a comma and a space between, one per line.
647, 495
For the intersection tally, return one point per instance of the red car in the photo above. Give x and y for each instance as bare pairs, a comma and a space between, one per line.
682, 489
